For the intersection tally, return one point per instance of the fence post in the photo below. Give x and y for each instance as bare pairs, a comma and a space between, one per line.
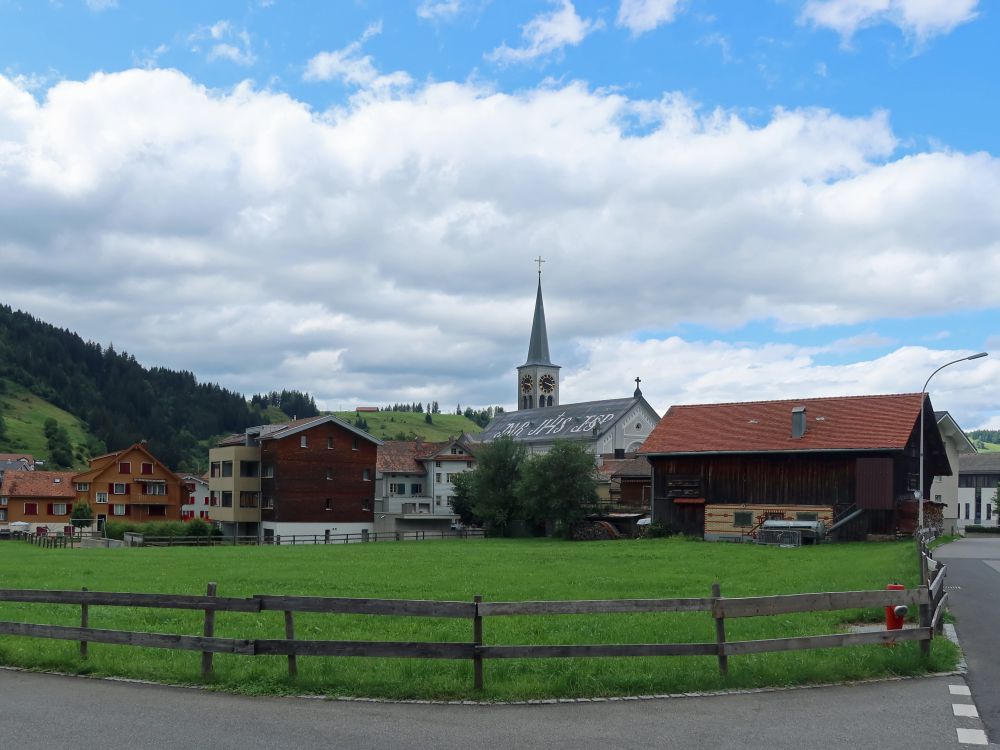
477, 642
925, 622
720, 629
293, 667
206, 656
84, 623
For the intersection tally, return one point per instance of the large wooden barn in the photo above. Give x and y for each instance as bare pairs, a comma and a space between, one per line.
721, 470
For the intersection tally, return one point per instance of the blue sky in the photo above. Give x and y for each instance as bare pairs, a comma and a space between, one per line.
806, 187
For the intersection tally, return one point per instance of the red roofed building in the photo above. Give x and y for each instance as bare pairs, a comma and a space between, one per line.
40, 498
720, 470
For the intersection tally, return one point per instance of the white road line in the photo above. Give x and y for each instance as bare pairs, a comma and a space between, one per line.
965, 709
959, 690
971, 736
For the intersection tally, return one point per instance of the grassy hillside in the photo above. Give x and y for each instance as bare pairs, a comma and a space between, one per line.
25, 415
392, 425
984, 447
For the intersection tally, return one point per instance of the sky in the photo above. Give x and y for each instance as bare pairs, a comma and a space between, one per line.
734, 200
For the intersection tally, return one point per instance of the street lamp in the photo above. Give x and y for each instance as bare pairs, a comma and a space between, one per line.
920, 506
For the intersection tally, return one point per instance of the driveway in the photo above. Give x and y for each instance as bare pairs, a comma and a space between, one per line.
973, 586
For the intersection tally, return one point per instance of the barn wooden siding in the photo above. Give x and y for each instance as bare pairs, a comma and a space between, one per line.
720, 520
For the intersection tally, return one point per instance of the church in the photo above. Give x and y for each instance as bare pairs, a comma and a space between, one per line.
609, 428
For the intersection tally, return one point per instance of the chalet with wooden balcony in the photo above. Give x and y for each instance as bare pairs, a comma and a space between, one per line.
130, 485
721, 470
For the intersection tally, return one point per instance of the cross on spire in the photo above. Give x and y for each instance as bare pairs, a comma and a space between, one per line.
539, 261
637, 393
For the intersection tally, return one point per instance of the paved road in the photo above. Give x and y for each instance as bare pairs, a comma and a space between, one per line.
973, 585
39, 710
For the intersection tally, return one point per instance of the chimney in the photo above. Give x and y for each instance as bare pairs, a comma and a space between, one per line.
798, 421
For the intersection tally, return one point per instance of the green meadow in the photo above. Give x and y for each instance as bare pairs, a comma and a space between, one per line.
497, 569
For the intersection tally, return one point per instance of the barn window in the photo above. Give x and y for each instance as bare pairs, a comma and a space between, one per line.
743, 518
807, 516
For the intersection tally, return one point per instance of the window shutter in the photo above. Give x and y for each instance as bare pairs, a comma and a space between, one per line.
50, 509
126, 489
111, 488
127, 509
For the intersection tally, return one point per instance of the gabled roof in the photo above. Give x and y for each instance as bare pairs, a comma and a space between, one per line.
100, 463
41, 484
286, 429
948, 426
626, 468
404, 456
839, 423
17, 457
566, 422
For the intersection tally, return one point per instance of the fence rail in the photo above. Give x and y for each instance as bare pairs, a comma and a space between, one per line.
716, 605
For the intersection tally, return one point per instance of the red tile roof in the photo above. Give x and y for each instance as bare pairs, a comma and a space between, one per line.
840, 423
16, 457
403, 456
636, 466
38, 484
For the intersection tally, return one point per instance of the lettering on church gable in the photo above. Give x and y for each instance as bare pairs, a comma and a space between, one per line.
513, 429
593, 421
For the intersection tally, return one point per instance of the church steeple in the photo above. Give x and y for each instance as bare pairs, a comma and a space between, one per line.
538, 378
538, 346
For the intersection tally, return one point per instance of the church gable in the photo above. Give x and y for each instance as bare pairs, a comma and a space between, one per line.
586, 421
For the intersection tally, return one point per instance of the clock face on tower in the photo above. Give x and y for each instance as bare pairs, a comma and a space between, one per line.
547, 383
526, 384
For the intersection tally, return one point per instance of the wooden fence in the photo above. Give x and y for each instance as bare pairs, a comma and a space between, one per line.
716, 606
932, 574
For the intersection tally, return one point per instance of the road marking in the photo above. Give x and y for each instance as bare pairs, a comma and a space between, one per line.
965, 709
959, 690
972, 736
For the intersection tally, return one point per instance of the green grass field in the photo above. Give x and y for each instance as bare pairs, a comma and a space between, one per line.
25, 415
457, 570
386, 425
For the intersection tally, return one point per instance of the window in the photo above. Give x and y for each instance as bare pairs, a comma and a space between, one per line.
438, 500
355, 444
59, 509
454, 451
329, 473
124, 467
3, 514
437, 477
807, 516
989, 512
119, 488
416, 489
157, 510
267, 471
102, 497
366, 475
227, 468
743, 518
249, 469
248, 499
216, 469
154, 489
3, 502
83, 486
145, 468
118, 509
303, 441
437, 464
967, 511
31, 509
329, 504
397, 488
937, 498
329, 443
213, 498
227, 499
267, 502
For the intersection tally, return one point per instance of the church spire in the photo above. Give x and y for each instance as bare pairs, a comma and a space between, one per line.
538, 346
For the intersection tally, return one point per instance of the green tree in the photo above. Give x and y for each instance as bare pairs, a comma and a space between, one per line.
428, 418
81, 515
494, 482
559, 488
462, 501
996, 501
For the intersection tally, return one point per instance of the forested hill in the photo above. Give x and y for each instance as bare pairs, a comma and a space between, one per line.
120, 400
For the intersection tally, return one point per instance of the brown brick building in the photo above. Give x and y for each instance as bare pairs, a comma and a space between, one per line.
308, 476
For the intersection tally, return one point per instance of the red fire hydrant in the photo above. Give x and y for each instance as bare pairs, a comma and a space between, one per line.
895, 615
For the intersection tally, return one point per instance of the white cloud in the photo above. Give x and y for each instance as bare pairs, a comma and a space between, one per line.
99, 5
384, 248
439, 10
225, 42
921, 19
547, 34
640, 16
353, 68
676, 371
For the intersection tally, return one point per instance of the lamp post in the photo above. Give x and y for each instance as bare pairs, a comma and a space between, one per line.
920, 506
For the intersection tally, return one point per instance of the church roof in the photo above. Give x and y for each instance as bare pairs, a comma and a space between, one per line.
538, 346
566, 422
